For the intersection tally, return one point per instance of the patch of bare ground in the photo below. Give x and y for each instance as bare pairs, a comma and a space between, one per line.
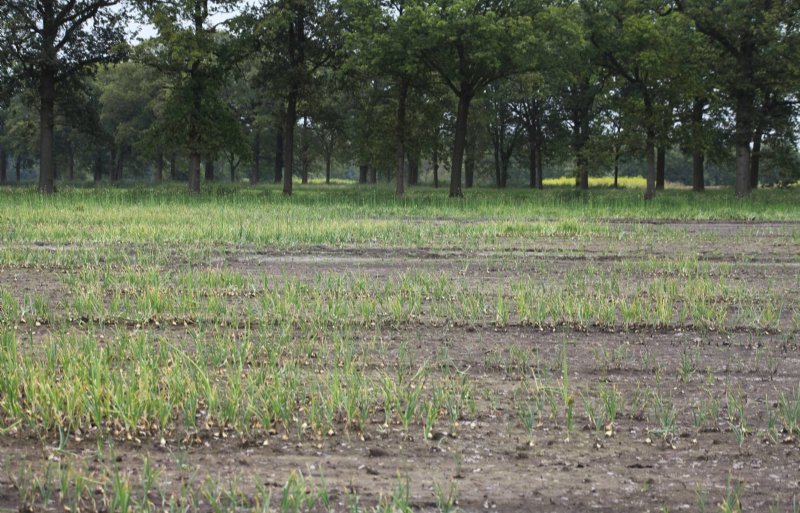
494, 463
491, 458
27, 283
619, 474
758, 243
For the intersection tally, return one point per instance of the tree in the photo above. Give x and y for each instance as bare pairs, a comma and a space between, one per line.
49, 41
327, 126
530, 104
130, 94
470, 44
563, 93
80, 133
696, 131
294, 39
383, 41
253, 110
4, 100
364, 120
20, 129
3, 155
757, 45
504, 129
427, 111
196, 56
645, 49
775, 125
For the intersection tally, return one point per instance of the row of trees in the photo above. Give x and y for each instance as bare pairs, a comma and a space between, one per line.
388, 85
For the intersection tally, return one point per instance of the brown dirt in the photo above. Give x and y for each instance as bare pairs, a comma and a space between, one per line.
489, 458
498, 467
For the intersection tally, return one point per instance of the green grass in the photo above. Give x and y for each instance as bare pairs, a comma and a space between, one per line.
586, 298
129, 314
357, 214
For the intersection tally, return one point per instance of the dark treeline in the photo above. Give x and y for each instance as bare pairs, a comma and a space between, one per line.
453, 92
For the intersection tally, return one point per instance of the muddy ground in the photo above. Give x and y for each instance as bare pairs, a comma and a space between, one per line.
490, 459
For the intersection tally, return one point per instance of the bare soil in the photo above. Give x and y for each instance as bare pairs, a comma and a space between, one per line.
494, 463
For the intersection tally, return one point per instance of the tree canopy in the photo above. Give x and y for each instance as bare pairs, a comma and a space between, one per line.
498, 92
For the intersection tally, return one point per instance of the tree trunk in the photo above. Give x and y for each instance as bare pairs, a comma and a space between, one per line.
435, 160
755, 158
278, 170
373, 175
209, 170
698, 178
505, 162
583, 172
698, 157
194, 173
580, 136
743, 134
18, 168
327, 168
464, 99
71, 164
531, 159
650, 192
539, 168
304, 155
120, 164
304, 170
173, 171
400, 138
616, 168
47, 163
255, 171
98, 167
660, 167
363, 171
288, 139
3, 164
413, 170
498, 173
195, 86
295, 39
159, 174
469, 164
112, 169
112, 173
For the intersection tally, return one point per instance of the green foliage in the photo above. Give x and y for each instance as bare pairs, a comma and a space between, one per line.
195, 58
586, 86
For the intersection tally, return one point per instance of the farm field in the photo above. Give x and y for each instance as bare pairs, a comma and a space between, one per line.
343, 350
